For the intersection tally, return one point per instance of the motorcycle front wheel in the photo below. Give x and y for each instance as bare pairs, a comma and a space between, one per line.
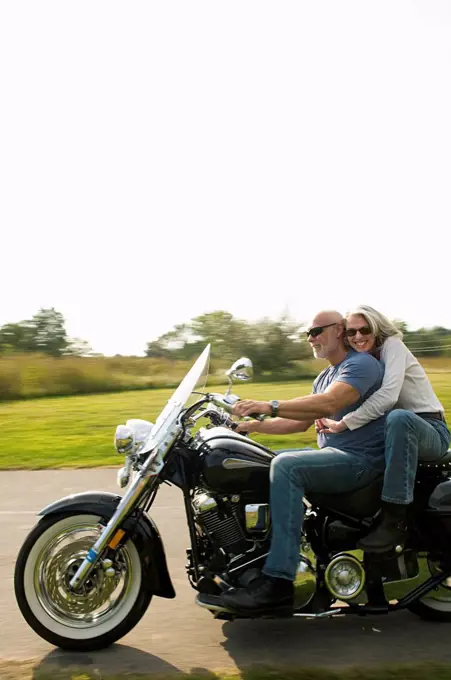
107, 607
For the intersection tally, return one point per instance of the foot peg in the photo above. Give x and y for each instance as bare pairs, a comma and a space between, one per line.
215, 605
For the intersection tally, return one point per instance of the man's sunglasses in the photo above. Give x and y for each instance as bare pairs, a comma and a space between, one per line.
364, 330
317, 330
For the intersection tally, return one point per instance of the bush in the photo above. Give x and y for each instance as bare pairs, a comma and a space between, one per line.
24, 376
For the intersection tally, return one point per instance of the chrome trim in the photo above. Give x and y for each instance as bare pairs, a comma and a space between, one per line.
237, 464
212, 607
345, 577
222, 609
257, 517
241, 369
246, 564
321, 615
204, 503
124, 439
105, 592
304, 583
123, 475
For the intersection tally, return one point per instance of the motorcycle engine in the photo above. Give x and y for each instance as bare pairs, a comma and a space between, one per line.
219, 519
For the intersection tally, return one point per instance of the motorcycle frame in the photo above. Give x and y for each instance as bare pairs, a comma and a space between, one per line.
180, 469
184, 467
377, 603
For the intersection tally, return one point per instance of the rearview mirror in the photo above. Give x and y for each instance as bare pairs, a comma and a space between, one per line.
242, 369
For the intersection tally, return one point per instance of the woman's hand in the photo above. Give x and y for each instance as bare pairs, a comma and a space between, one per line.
331, 426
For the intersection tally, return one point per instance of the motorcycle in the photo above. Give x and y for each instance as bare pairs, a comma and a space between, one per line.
88, 570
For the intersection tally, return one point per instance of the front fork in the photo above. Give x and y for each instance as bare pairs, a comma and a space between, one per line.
128, 502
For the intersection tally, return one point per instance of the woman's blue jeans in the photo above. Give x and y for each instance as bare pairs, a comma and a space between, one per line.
408, 439
295, 473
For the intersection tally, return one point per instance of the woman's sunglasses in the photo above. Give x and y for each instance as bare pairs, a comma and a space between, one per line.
317, 330
364, 330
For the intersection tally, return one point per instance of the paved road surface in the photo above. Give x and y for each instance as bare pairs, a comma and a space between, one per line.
176, 635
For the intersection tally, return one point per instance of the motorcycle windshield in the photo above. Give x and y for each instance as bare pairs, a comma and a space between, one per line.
195, 379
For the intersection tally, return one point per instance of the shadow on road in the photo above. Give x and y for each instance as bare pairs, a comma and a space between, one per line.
116, 659
400, 638
342, 641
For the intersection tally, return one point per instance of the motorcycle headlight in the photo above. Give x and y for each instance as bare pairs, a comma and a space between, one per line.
141, 430
124, 439
131, 436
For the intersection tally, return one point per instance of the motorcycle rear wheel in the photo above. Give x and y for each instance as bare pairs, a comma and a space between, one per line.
435, 605
107, 607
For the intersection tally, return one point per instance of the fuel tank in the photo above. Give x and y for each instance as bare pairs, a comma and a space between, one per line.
232, 463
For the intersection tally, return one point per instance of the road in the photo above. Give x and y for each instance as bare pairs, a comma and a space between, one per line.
176, 635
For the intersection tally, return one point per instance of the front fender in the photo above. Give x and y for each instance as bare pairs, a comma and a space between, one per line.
141, 527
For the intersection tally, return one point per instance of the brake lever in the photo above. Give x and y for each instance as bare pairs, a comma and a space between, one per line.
234, 424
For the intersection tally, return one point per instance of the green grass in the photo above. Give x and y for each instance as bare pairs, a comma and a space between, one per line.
431, 671
78, 431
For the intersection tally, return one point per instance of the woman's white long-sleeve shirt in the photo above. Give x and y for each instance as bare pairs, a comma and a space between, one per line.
405, 385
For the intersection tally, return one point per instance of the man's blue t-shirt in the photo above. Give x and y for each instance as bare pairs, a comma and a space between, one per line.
363, 372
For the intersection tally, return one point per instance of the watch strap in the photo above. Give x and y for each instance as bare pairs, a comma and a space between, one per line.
274, 408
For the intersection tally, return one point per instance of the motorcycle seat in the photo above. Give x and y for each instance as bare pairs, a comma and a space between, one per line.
444, 462
364, 502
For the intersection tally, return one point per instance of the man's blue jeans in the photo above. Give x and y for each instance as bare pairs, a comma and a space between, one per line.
293, 474
408, 439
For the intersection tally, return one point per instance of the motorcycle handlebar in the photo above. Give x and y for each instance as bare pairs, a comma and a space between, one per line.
257, 416
232, 424
228, 403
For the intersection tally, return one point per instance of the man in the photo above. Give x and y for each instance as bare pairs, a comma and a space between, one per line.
345, 462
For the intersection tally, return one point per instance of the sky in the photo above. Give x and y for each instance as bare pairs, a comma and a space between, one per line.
160, 160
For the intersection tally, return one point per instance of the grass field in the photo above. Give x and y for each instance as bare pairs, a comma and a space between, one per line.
78, 431
431, 671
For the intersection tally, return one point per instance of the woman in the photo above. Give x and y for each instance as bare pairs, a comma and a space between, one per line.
415, 430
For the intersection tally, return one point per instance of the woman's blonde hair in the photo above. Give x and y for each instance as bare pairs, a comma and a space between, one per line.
381, 327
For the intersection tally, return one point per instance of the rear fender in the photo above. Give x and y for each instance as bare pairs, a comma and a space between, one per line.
140, 526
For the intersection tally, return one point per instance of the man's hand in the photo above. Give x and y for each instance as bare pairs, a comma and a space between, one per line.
332, 426
247, 407
246, 427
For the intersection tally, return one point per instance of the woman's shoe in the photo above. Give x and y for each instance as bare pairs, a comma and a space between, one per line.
390, 533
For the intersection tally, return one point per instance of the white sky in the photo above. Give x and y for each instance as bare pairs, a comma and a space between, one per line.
163, 159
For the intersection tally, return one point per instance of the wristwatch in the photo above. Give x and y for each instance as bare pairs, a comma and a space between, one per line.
274, 408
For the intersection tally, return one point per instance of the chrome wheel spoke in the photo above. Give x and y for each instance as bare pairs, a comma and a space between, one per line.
101, 595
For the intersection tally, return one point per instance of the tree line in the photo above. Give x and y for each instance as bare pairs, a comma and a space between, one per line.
275, 346
44, 333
